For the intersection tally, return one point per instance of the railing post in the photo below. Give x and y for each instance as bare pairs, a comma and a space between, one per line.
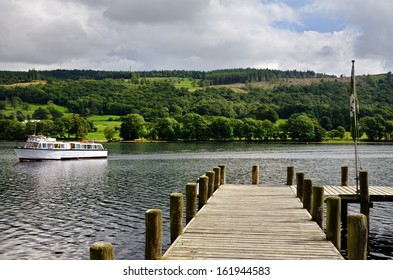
153, 242
317, 205
203, 190
290, 172
307, 195
333, 220
344, 175
223, 173
255, 175
211, 175
217, 176
102, 251
299, 185
357, 237
176, 215
191, 194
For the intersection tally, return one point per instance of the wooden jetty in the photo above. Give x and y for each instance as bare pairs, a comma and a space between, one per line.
252, 222
257, 221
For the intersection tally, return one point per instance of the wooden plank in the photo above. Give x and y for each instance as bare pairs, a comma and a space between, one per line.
250, 222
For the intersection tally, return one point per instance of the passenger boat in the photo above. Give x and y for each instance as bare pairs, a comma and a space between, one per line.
40, 147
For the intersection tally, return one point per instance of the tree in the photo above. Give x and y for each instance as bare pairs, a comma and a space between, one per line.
132, 127
40, 114
194, 127
374, 127
221, 128
109, 132
165, 129
341, 132
301, 127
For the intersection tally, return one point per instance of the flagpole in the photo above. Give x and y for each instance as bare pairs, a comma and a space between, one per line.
354, 111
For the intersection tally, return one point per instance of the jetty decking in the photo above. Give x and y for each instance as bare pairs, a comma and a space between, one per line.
252, 222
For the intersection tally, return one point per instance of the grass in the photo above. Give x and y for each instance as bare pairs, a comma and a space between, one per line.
101, 122
188, 83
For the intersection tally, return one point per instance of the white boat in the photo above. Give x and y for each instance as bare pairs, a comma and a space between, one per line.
39, 147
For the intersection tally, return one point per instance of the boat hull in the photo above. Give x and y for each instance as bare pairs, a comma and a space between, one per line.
26, 154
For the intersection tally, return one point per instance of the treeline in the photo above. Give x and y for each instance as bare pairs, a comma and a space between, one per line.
205, 78
325, 102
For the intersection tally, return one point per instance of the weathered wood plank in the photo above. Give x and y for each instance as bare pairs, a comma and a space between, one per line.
250, 222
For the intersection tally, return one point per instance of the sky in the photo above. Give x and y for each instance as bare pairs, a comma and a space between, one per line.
137, 35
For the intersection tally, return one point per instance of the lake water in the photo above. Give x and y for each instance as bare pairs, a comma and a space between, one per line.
57, 209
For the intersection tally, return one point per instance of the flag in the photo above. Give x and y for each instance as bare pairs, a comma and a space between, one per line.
354, 107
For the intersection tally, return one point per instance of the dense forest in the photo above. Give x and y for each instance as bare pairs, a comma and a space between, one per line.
216, 77
247, 114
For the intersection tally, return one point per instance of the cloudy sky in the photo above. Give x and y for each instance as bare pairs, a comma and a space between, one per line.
318, 35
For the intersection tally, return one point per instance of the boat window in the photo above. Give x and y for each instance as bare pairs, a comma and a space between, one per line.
72, 145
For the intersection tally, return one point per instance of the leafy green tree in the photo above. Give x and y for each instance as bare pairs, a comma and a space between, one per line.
12, 130
194, 127
341, 132
109, 132
40, 114
320, 133
221, 128
56, 114
238, 129
74, 124
250, 128
132, 127
301, 127
165, 129
374, 127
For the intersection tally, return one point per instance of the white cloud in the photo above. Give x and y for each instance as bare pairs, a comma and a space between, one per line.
196, 34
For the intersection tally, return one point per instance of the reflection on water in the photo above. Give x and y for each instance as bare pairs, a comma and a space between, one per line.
57, 209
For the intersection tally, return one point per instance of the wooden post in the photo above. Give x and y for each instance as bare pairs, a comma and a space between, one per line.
344, 175
299, 185
176, 215
317, 205
153, 242
333, 220
364, 196
357, 237
102, 251
203, 189
217, 176
290, 172
255, 175
191, 194
307, 195
211, 175
223, 173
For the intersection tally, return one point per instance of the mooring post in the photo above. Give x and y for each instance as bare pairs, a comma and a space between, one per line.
307, 195
217, 176
223, 173
255, 175
203, 190
153, 242
333, 220
299, 185
210, 175
176, 215
357, 237
364, 196
191, 195
290, 172
344, 175
102, 251
317, 205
